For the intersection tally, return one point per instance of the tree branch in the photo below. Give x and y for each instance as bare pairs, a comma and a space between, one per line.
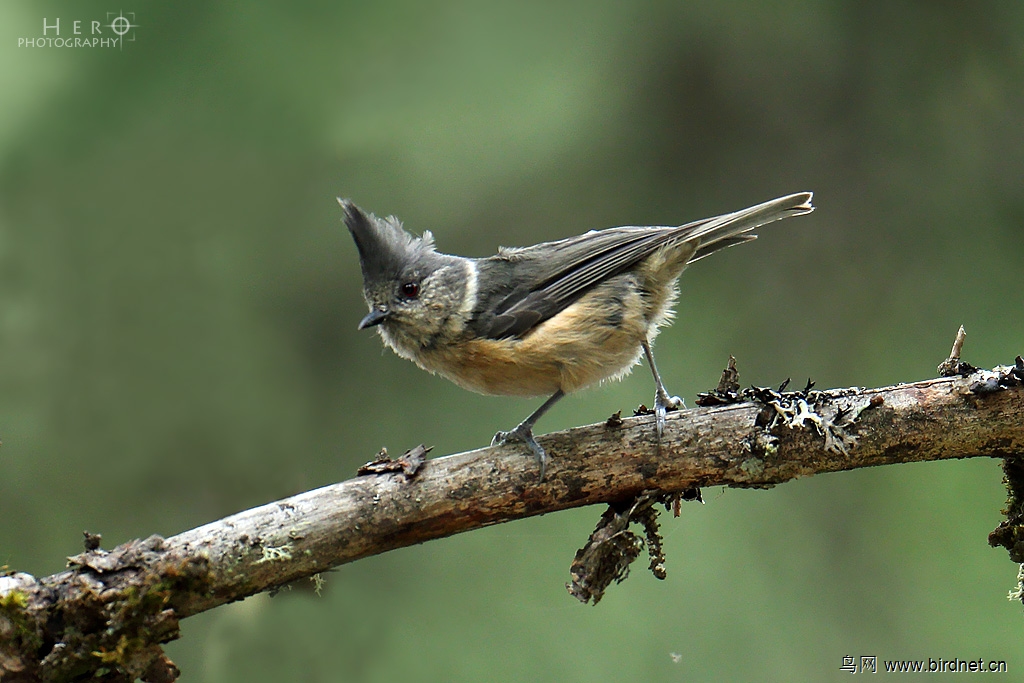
110, 610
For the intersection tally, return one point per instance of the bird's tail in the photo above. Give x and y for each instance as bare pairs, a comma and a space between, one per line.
731, 229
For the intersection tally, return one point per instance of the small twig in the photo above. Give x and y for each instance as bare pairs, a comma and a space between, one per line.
958, 344
953, 366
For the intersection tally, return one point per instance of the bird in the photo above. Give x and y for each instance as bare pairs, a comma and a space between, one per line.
543, 320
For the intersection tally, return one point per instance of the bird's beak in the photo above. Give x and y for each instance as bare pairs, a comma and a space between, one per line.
375, 317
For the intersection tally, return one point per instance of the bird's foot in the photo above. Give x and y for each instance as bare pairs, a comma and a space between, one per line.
524, 433
662, 404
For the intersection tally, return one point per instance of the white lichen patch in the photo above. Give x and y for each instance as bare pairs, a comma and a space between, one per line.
276, 553
15, 582
798, 413
1017, 595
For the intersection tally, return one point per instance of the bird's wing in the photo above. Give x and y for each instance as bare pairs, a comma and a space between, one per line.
550, 277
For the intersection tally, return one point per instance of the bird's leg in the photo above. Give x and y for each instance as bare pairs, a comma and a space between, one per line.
524, 432
662, 401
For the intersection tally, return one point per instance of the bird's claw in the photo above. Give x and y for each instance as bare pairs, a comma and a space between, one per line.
662, 404
524, 433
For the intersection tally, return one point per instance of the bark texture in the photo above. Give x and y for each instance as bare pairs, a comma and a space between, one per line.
109, 611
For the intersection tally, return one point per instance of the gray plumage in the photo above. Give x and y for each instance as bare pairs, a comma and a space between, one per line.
544, 279
541, 320
525, 286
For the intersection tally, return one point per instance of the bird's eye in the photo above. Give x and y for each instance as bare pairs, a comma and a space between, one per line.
410, 290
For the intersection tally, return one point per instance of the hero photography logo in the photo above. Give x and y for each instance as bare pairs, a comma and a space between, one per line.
114, 31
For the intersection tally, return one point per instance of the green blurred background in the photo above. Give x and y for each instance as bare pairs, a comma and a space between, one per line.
178, 303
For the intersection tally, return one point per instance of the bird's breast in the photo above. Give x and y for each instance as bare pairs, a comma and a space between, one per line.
597, 338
